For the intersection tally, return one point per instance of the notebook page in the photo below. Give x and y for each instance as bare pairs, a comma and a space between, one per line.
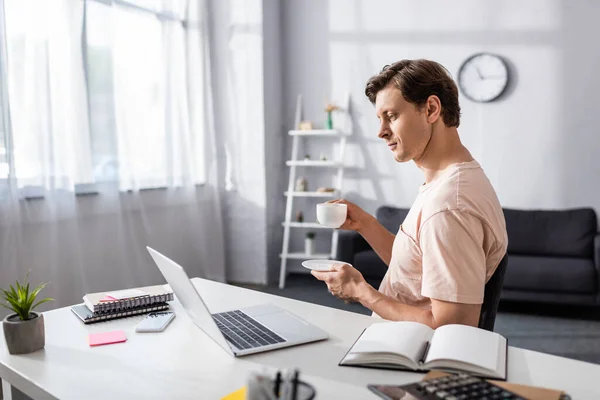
126, 294
404, 338
466, 344
94, 298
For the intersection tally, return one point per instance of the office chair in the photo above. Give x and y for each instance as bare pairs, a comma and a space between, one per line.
491, 296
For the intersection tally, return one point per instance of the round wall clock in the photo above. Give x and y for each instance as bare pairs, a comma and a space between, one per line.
483, 77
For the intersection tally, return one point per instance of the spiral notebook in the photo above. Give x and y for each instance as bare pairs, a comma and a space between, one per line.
123, 300
88, 317
104, 306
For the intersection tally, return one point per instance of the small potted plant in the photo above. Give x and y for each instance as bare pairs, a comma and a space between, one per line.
329, 109
24, 328
309, 243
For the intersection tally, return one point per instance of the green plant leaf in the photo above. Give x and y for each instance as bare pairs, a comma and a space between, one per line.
21, 293
41, 302
6, 294
15, 303
21, 298
13, 292
35, 291
18, 309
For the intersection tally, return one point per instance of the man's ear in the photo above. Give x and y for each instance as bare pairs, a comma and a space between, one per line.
433, 108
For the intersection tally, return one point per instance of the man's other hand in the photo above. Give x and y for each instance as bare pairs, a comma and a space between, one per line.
343, 281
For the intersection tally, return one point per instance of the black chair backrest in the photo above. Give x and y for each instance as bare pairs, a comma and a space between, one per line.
491, 297
391, 217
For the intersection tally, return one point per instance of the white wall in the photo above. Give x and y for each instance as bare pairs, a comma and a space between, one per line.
539, 144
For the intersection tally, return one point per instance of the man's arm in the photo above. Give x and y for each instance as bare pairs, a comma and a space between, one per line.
441, 313
379, 238
347, 283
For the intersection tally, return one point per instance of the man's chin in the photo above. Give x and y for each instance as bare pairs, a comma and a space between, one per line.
401, 158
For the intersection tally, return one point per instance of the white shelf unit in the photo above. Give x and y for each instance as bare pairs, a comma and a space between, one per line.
304, 256
306, 225
294, 163
317, 132
312, 163
312, 194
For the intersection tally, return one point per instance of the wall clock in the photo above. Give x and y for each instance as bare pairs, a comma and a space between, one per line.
483, 77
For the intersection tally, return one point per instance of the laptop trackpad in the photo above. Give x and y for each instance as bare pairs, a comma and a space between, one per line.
286, 325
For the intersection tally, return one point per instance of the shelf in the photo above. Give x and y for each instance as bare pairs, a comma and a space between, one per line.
317, 132
309, 225
304, 256
312, 163
312, 194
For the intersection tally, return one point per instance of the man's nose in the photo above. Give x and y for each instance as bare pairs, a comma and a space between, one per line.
383, 131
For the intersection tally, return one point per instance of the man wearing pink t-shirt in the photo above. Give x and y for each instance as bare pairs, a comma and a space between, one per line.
454, 235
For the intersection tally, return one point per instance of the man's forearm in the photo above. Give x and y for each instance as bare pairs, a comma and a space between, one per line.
380, 239
390, 309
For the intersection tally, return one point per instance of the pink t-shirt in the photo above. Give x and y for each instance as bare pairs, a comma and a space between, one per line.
451, 241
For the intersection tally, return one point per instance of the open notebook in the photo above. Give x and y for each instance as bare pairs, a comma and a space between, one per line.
416, 347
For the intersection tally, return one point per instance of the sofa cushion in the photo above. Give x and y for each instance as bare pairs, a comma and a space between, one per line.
391, 217
551, 232
551, 274
369, 264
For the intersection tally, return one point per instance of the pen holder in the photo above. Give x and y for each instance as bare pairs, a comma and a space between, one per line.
304, 391
262, 387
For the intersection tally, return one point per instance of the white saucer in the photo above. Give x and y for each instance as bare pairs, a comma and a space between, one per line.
321, 265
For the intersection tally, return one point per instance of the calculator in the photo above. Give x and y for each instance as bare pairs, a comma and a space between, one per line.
450, 387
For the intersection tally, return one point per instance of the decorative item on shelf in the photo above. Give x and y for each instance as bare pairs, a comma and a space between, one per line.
329, 109
323, 157
307, 156
23, 329
301, 184
299, 216
309, 243
305, 125
325, 190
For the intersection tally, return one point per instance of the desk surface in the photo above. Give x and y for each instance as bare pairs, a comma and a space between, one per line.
183, 363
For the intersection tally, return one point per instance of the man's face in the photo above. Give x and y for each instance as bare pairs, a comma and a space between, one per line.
402, 125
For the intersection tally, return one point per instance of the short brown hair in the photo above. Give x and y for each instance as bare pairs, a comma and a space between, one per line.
417, 80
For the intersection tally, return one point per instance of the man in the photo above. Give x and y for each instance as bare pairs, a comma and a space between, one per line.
454, 235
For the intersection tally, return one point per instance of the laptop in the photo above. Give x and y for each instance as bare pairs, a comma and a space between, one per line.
239, 332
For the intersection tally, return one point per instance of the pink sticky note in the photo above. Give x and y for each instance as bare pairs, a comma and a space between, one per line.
107, 298
98, 339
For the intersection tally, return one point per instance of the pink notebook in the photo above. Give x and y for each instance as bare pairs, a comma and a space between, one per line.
98, 339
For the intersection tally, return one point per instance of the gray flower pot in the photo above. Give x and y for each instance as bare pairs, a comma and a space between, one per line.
24, 337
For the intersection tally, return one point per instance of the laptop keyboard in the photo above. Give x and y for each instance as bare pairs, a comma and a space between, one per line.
244, 331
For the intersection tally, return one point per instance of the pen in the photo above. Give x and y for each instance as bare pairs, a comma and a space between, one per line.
295, 384
277, 384
287, 386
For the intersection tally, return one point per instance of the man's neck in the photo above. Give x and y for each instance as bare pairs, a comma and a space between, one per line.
443, 150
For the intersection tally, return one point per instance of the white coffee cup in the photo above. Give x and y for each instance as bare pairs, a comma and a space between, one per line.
331, 215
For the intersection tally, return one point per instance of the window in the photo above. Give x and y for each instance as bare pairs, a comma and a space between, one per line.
126, 87
92, 95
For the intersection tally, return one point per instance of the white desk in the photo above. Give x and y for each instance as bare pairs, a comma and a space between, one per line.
183, 363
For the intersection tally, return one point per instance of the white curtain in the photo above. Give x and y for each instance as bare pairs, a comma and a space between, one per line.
105, 100
46, 92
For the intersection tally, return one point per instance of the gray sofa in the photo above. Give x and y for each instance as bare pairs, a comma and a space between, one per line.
554, 255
